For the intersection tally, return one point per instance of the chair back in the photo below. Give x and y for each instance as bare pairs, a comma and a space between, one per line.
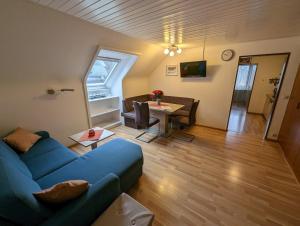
128, 102
142, 114
193, 112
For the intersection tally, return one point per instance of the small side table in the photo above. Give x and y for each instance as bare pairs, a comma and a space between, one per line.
105, 134
125, 211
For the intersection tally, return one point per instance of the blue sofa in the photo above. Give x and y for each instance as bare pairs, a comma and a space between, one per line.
110, 169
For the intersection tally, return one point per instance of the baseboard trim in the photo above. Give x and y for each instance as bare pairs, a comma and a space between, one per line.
255, 113
210, 127
270, 139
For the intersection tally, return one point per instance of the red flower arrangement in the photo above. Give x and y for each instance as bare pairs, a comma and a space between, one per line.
157, 94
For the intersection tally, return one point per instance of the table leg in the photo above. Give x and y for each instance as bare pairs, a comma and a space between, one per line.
164, 122
94, 145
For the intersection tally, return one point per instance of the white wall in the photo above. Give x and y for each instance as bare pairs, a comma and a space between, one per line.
41, 48
215, 91
267, 67
135, 86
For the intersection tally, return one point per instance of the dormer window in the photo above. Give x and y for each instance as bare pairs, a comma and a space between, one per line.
103, 84
98, 76
101, 70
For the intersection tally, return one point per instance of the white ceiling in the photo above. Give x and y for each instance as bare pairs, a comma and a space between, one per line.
187, 22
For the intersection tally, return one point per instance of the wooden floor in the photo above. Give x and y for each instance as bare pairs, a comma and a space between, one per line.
220, 178
243, 122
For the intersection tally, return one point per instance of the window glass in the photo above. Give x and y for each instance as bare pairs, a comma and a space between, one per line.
245, 77
97, 77
101, 70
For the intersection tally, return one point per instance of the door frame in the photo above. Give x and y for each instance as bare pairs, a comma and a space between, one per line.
278, 92
251, 87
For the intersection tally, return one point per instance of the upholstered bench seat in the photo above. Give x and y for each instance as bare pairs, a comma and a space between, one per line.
187, 111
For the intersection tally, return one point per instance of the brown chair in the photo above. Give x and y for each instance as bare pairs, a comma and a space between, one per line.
129, 114
185, 121
143, 119
128, 110
190, 119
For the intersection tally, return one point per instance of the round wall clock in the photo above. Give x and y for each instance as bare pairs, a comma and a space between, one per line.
227, 54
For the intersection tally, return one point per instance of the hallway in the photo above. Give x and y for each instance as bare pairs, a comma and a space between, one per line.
242, 122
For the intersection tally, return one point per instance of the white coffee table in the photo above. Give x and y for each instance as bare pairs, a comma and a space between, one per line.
105, 134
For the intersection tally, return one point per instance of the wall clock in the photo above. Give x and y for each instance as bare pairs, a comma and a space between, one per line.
227, 54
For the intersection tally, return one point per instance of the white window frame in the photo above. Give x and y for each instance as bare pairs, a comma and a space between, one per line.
84, 80
110, 73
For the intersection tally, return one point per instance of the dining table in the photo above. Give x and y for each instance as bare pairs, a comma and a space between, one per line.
162, 111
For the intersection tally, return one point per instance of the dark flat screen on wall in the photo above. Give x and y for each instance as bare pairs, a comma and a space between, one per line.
193, 69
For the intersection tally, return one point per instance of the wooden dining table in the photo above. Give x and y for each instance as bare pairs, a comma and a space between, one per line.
162, 112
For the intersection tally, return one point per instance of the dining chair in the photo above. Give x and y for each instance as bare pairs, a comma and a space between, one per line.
144, 121
185, 121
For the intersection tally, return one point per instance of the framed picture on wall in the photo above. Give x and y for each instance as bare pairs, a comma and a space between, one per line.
171, 70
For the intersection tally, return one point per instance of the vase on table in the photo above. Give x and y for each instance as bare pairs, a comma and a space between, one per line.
157, 95
158, 101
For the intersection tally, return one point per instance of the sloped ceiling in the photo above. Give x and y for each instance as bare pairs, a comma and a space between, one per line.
188, 22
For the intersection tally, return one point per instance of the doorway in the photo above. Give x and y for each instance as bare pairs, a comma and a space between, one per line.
243, 86
257, 86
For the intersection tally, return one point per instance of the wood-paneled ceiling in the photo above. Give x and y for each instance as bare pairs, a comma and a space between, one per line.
188, 22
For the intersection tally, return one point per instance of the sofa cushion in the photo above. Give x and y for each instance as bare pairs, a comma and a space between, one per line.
118, 156
46, 156
9, 155
21, 139
87, 208
62, 192
17, 202
43, 134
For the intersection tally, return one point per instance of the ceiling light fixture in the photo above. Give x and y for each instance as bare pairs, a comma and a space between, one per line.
172, 49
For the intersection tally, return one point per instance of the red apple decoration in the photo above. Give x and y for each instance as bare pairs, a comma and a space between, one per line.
91, 132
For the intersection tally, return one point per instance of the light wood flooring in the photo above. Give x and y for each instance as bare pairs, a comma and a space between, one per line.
242, 122
231, 179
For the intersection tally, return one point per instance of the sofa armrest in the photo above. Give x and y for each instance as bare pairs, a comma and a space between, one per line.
86, 209
43, 134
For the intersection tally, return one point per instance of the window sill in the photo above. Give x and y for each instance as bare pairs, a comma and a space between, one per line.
104, 98
107, 111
